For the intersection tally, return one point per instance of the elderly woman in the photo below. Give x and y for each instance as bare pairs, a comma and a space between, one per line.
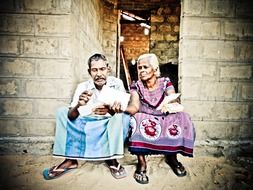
152, 131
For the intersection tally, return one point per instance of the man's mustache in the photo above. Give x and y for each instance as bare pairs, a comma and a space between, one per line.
98, 78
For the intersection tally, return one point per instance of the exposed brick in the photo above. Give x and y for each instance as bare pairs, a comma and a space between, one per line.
173, 19
163, 45
156, 18
169, 53
238, 72
176, 28
16, 67
153, 28
134, 32
110, 36
9, 45
165, 28
156, 36
171, 37
177, 10
160, 11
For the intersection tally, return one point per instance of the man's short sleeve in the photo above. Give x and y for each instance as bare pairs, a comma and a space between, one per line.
116, 83
121, 86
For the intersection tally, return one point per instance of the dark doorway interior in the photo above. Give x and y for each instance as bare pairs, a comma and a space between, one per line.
170, 70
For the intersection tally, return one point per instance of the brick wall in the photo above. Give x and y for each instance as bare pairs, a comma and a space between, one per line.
135, 41
44, 47
164, 38
216, 55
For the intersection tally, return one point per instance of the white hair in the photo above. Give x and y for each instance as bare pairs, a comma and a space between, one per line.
152, 60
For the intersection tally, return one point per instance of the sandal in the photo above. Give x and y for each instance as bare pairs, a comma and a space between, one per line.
177, 168
56, 172
141, 177
117, 172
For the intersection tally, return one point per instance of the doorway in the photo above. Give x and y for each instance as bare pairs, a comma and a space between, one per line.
153, 30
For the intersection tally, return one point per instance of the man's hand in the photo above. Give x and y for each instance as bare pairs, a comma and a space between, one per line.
104, 109
84, 98
101, 110
116, 107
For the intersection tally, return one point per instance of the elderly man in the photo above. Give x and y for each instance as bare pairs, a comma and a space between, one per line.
97, 136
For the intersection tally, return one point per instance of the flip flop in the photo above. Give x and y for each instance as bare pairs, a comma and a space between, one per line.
48, 173
141, 177
177, 168
117, 172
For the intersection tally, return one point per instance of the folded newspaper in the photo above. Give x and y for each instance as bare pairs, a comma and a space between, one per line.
106, 96
169, 104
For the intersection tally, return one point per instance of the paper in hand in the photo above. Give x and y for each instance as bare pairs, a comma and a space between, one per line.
109, 96
87, 109
168, 106
173, 108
